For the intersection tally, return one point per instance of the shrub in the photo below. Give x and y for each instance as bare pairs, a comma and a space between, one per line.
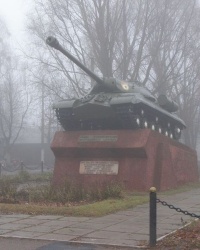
47, 176
24, 175
112, 190
38, 194
70, 191
102, 191
8, 189
22, 195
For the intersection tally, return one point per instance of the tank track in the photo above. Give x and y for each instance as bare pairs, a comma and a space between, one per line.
67, 121
137, 116
128, 116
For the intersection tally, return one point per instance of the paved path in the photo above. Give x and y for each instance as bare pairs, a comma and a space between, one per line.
129, 228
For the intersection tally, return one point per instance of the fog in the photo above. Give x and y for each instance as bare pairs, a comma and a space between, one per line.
13, 13
153, 44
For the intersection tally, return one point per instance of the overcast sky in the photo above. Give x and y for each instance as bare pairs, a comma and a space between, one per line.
13, 13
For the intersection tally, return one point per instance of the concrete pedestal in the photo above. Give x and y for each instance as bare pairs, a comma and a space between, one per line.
138, 159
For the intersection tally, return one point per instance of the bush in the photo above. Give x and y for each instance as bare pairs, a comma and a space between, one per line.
22, 195
24, 175
112, 190
47, 176
74, 192
8, 189
102, 191
69, 192
39, 194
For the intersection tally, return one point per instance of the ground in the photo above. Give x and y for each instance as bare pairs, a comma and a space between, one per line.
187, 238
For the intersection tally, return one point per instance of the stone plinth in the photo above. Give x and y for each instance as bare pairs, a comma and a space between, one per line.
138, 159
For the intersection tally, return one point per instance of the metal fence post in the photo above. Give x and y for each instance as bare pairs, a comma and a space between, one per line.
152, 217
0, 169
42, 166
22, 166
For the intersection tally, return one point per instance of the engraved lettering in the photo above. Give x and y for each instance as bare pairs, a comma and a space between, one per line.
99, 167
98, 138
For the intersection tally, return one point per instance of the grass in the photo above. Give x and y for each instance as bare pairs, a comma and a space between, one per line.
96, 209
69, 200
88, 208
181, 189
184, 239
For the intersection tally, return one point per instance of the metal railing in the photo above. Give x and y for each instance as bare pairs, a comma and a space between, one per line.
153, 214
5, 168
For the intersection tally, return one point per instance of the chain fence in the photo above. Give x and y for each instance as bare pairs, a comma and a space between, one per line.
13, 168
179, 210
153, 214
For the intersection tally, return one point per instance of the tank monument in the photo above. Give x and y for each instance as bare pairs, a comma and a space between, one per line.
120, 132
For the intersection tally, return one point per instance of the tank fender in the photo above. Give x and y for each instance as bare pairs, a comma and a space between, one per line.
167, 104
64, 104
121, 100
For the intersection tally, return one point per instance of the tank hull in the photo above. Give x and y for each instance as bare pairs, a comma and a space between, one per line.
125, 112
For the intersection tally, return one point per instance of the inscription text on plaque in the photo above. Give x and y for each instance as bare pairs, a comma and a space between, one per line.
98, 138
99, 167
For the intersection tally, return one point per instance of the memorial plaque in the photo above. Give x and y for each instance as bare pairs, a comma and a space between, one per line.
98, 138
99, 167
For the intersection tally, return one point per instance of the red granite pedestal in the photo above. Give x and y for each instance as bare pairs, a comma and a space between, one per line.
138, 159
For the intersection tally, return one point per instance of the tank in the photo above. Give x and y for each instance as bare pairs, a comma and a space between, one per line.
116, 104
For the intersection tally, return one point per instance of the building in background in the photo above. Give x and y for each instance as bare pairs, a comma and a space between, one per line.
28, 148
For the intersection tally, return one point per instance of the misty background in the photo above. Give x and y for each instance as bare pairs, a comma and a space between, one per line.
155, 42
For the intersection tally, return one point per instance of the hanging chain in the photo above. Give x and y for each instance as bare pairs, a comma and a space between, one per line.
164, 203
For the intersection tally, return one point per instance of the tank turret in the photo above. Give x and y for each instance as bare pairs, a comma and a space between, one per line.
116, 104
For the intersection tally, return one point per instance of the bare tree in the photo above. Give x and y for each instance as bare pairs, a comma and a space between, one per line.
14, 99
150, 41
113, 33
3, 42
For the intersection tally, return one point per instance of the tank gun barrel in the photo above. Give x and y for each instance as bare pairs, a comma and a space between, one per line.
53, 42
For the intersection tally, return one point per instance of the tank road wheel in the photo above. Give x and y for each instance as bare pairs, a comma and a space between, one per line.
153, 126
177, 133
145, 123
159, 129
171, 135
165, 132
142, 112
168, 125
136, 121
